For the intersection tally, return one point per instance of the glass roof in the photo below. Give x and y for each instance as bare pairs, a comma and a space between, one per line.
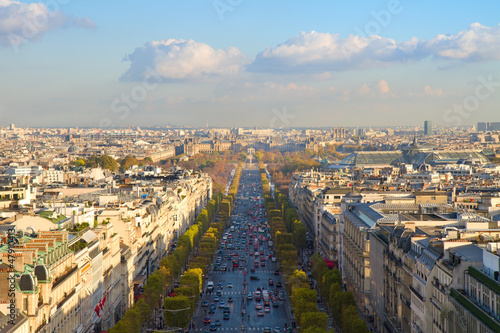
391, 157
372, 157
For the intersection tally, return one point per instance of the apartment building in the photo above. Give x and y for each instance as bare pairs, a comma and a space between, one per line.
87, 280
475, 305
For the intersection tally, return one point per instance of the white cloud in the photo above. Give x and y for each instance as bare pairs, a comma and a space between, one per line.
379, 88
22, 22
476, 43
433, 92
177, 59
316, 52
382, 87
323, 52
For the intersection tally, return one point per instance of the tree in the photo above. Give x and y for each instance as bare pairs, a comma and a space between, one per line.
178, 317
259, 155
107, 162
79, 162
315, 330
351, 323
314, 320
299, 235
153, 289
127, 162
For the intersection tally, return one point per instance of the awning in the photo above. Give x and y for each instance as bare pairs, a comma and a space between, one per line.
89, 236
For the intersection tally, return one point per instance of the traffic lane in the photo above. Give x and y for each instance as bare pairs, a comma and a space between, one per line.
269, 319
236, 292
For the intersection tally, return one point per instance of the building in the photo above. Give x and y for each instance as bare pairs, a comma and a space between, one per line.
414, 154
482, 127
428, 127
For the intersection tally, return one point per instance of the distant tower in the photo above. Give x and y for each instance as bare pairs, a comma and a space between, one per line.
12, 127
206, 123
428, 127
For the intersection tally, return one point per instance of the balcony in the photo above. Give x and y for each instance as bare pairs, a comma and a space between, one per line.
479, 313
420, 297
486, 279
63, 277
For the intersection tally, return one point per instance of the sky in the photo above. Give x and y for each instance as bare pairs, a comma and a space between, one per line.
242, 63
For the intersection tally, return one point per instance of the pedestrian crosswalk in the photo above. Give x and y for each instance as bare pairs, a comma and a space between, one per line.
227, 293
240, 272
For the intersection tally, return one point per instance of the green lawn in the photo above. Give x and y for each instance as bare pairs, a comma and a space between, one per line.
47, 213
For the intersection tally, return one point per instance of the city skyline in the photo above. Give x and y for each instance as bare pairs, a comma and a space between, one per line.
321, 65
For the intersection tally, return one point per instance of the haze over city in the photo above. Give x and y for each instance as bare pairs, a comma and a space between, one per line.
240, 63
249, 166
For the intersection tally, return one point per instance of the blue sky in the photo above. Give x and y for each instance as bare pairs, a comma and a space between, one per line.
248, 63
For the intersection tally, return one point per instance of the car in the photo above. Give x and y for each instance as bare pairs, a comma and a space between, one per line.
270, 282
267, 330
277, 329
218, 292
206, 320
204, 304
229, 299
263, 264
277, 272
252, 270
249, 296
254, 277
267, 309
213, 327
256, 254
260, 313
217, 322
258, 306
222, 304
273, 259
229, 284
279, 285
211, 311
275, 304
219, 285
226, 309
225, 316
216, 298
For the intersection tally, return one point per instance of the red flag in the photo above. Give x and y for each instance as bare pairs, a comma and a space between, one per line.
97, 310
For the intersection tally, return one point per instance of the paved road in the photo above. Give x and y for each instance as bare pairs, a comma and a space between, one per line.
248, 213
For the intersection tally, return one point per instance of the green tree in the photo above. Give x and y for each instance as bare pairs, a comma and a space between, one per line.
79, 162
314, 319
104, 161
179, 317
127, 162
259, 155
299, 234
351, 323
